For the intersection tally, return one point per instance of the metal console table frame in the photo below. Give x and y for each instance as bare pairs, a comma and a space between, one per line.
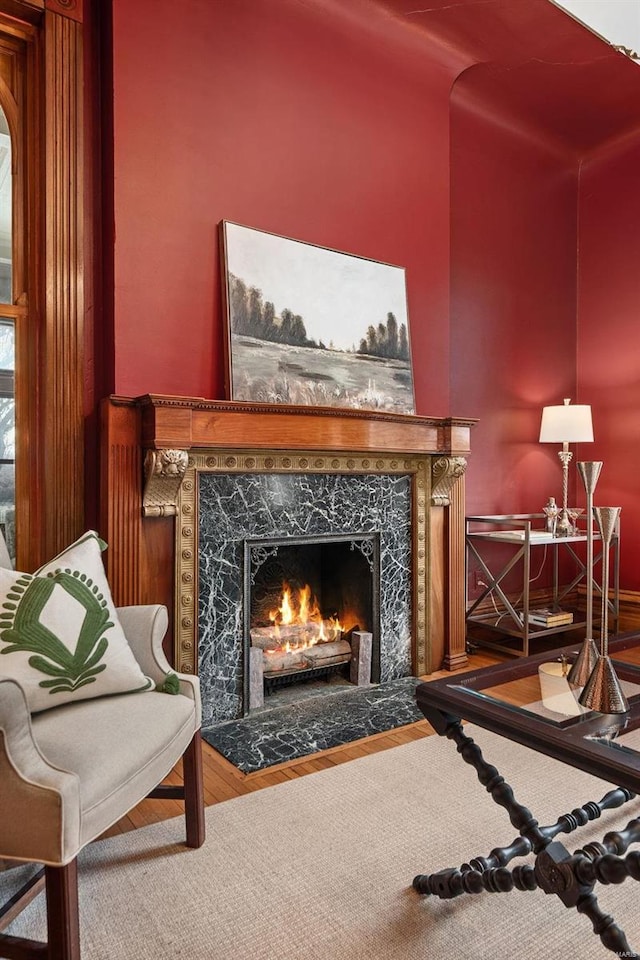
521, 531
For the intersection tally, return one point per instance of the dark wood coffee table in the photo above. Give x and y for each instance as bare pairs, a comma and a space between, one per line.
537, 708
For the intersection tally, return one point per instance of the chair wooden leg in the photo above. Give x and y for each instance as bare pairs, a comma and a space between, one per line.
63, 925
193, 792
18, 948
21, 899
62, 912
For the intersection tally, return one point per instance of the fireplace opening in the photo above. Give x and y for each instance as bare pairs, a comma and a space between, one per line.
311, 612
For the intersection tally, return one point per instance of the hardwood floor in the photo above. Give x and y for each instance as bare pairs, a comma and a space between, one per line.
223, 781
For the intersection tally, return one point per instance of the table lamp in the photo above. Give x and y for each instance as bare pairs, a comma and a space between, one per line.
566, 424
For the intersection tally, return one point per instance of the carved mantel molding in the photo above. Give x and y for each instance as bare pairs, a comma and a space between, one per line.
182, 422
445, 471
164, 472
173, 426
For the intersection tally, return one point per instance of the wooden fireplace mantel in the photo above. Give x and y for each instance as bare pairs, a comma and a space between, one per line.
183, 422
148, 442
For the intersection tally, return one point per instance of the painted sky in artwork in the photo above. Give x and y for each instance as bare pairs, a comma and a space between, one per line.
337, 295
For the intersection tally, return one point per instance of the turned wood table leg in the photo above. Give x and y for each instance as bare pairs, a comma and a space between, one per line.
571, 877
612, 936
567, 823
453, 881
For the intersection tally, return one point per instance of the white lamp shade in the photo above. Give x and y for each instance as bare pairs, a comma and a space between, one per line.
566, 424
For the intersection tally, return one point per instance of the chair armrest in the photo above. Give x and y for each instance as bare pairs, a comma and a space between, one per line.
51, 832
144, 627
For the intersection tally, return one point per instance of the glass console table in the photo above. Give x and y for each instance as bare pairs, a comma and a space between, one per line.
510, 545
516, 701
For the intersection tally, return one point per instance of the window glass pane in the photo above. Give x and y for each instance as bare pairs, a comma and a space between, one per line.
7, 351
7, 430
7, 433
5, 211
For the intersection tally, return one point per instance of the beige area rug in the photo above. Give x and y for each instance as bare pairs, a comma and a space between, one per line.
320, 868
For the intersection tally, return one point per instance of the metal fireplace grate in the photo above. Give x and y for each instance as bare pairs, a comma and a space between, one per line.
304, 676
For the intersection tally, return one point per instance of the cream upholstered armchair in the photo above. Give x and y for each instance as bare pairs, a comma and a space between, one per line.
70, 771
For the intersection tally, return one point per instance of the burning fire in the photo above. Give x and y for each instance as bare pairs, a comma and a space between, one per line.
300, 609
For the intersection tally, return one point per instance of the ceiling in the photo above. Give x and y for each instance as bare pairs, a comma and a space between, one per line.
532, 59
618, 21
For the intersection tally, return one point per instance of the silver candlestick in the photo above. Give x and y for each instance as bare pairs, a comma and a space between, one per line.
603, 691
586, 660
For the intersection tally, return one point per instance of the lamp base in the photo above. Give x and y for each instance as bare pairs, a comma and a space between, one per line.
583, 665
603, 691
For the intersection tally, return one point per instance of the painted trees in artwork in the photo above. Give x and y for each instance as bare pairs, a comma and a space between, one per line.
238, 305
253, 317
386, 340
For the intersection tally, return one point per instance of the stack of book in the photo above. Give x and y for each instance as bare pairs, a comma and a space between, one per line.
546, 617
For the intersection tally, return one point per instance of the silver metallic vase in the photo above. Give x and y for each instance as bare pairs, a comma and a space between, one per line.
584, 663
603, 691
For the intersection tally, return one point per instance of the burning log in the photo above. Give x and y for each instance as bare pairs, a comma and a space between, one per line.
319, 655
298, 638
292, 634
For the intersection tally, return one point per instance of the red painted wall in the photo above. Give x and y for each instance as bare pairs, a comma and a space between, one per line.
608, 333
513, 297
277, 117
330, 123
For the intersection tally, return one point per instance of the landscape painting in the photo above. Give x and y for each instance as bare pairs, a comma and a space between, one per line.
311, 326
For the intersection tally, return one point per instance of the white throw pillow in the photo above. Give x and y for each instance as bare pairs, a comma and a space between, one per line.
60, 637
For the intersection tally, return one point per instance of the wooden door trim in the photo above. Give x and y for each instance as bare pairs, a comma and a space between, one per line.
49, 271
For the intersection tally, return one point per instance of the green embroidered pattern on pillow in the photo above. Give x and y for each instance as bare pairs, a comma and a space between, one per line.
21, 629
